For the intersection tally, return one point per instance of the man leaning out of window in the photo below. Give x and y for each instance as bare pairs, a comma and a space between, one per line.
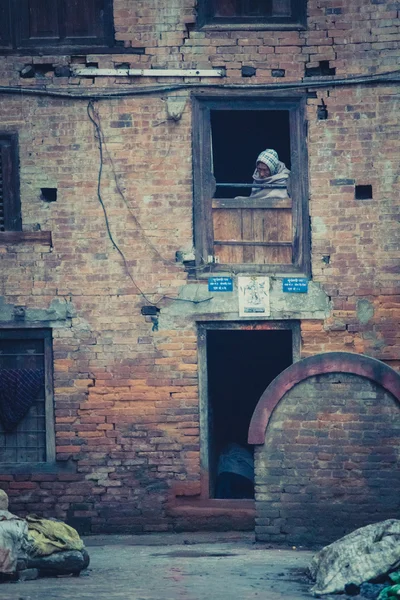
270, 172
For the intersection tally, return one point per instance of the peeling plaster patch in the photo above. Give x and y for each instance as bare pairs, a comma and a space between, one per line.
318, 225
224, 306
6, 311
59, 311
365, 310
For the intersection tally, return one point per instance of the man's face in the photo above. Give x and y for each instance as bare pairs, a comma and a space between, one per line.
263, 170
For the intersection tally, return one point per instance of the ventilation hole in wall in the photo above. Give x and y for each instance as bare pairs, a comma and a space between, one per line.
92, 65
322, 111
248, 71
363, 192
48, 194
78, 60
322, 70
278, 72
43, 69
27, 72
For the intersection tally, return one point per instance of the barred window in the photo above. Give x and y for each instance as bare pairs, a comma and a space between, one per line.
26, 397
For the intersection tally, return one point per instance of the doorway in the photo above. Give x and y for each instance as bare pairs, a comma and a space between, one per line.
240, 362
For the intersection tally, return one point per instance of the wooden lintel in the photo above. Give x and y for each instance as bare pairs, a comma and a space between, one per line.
22, 237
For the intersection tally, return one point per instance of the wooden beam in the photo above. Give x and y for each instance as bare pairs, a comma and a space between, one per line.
21, 237
249, 203
250, 243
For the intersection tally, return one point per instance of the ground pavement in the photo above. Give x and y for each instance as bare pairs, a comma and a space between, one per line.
184, 566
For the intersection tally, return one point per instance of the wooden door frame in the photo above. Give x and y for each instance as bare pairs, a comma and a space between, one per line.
203, 328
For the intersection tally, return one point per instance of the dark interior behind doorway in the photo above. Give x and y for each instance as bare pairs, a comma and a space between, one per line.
240, 364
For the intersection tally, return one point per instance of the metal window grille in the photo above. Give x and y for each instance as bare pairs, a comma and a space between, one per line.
27, 442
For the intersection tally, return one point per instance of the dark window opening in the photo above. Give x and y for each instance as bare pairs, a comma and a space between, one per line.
56, 23
10, 207
275, 12
240, 365
238, 137
49, 194
363, 192
26, 403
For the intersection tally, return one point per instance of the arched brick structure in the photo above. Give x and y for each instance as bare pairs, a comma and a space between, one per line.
330, 362
328, 462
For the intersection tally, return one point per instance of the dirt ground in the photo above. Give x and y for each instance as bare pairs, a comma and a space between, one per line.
176, 566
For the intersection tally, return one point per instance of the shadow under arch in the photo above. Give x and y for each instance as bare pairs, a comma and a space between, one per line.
329, 362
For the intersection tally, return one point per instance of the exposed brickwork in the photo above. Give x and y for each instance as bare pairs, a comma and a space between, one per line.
126, 397
329, 464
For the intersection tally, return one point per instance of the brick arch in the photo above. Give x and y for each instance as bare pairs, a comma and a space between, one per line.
329, 362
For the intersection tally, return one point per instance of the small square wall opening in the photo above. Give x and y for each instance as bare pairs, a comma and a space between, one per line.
363, 192
48, 194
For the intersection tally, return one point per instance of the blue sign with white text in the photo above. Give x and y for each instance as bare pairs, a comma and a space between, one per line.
220, 284
295, 285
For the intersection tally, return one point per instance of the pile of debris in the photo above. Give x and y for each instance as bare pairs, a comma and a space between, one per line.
363, 564
34, 547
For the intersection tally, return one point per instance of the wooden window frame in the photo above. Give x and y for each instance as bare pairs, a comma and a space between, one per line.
207, 20
11, 193
15, 19
21, 333
204, 182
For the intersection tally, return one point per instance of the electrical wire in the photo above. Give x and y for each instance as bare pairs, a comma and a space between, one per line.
137, 222
95, 119
387, 77
93, 116
384, 78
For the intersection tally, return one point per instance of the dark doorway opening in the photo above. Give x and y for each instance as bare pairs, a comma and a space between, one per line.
240, 365
238, 137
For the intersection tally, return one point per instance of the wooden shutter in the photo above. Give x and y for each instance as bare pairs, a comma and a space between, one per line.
256, 232
253, 9
10, 209
226, 8
64, 22
84, 19
242, 8
5, 24
281, 8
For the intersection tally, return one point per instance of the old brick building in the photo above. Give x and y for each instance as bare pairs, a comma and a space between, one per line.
118, 205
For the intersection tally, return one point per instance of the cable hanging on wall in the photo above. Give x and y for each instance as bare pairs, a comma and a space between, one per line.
95, 120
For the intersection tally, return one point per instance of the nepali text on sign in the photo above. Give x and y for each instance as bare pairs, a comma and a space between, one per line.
296, 285
220, 284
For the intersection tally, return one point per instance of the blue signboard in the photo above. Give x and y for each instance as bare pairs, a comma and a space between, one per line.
220, 284
296, 285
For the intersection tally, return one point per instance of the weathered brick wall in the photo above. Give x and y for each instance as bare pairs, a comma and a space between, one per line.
126, 397
330, 461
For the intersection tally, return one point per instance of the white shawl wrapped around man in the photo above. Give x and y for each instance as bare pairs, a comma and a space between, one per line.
276, 174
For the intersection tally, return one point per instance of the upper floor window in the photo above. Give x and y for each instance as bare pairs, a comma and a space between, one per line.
10, 206
278, 13
40, 24
250, 184
26, 397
